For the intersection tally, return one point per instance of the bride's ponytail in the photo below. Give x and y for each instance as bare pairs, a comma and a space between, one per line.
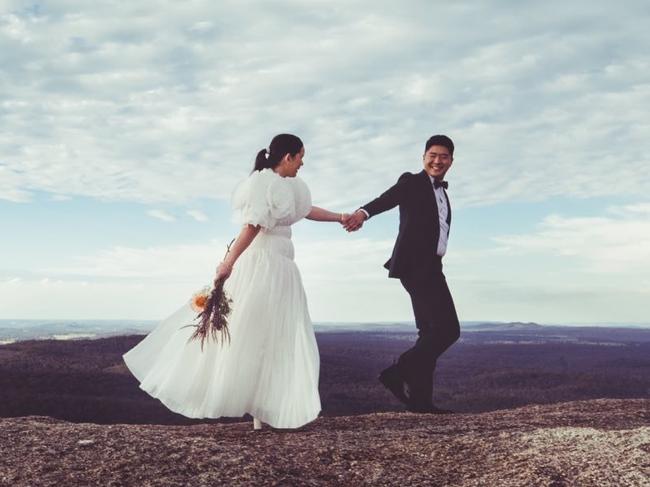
261, 161
280, 146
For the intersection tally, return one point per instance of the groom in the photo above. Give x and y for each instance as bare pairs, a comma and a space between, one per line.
424, 221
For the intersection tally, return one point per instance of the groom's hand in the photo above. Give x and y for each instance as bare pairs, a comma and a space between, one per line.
355, 221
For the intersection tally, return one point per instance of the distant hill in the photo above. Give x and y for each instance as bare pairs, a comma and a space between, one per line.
490, 326
17, 330
602, 443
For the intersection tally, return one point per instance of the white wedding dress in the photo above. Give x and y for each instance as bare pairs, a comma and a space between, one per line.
270, 367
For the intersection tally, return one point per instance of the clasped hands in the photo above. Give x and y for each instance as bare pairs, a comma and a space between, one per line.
353, 222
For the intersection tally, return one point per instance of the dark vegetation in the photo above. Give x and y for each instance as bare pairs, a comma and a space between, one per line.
86, 381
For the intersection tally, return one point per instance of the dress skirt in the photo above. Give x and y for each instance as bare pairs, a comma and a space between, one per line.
270, 367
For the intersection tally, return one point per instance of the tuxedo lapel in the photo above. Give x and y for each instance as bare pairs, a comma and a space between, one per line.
427, 189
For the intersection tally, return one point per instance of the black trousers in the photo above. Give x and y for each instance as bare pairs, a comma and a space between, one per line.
438, 328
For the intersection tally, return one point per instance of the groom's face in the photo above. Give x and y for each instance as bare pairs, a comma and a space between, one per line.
437, 161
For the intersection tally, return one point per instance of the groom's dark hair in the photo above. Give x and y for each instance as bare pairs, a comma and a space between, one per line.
442, 140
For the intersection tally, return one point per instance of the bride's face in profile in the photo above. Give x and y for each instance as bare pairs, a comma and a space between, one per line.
291, 164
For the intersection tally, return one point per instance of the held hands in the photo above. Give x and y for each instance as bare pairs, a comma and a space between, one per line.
353, 222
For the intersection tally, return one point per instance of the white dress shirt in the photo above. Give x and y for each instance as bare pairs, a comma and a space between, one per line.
443, 211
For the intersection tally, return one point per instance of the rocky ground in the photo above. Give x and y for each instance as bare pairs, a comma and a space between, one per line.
598, 442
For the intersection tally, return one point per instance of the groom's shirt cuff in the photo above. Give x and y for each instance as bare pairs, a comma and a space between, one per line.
366, 213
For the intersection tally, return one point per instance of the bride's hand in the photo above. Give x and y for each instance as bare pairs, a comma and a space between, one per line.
223, 272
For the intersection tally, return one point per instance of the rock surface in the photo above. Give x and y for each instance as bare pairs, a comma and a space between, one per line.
598, 442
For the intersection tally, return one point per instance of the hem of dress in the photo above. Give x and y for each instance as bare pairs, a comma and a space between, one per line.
175, 408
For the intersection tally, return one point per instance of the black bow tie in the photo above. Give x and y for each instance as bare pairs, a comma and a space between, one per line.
437, 184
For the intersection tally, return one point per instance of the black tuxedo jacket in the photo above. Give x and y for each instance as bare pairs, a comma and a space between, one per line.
414, 253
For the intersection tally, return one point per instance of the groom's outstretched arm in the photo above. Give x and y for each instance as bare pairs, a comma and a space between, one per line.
387, 200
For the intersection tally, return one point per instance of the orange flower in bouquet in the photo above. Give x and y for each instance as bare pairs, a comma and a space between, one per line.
199, 299
213, 308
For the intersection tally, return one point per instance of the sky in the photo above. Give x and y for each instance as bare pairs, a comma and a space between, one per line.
126, 126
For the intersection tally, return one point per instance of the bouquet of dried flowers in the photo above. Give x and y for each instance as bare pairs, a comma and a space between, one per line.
213, 308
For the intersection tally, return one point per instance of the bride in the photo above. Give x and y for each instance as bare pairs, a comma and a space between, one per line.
270, 367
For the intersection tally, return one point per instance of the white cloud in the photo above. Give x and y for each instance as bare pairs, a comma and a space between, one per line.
60, 197
184, 262
635, 210
568, 268
198, 215
10, 186
345, 280
161, 215
71, 299
149, 104
606, 245
561, 299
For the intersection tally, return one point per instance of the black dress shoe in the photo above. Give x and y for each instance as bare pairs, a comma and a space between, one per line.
428, 409
393, 381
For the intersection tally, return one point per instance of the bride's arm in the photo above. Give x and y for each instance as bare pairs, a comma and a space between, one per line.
244, 239
323, 215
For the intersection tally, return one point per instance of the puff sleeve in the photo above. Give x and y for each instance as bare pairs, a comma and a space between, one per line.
302, 197
264, 199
